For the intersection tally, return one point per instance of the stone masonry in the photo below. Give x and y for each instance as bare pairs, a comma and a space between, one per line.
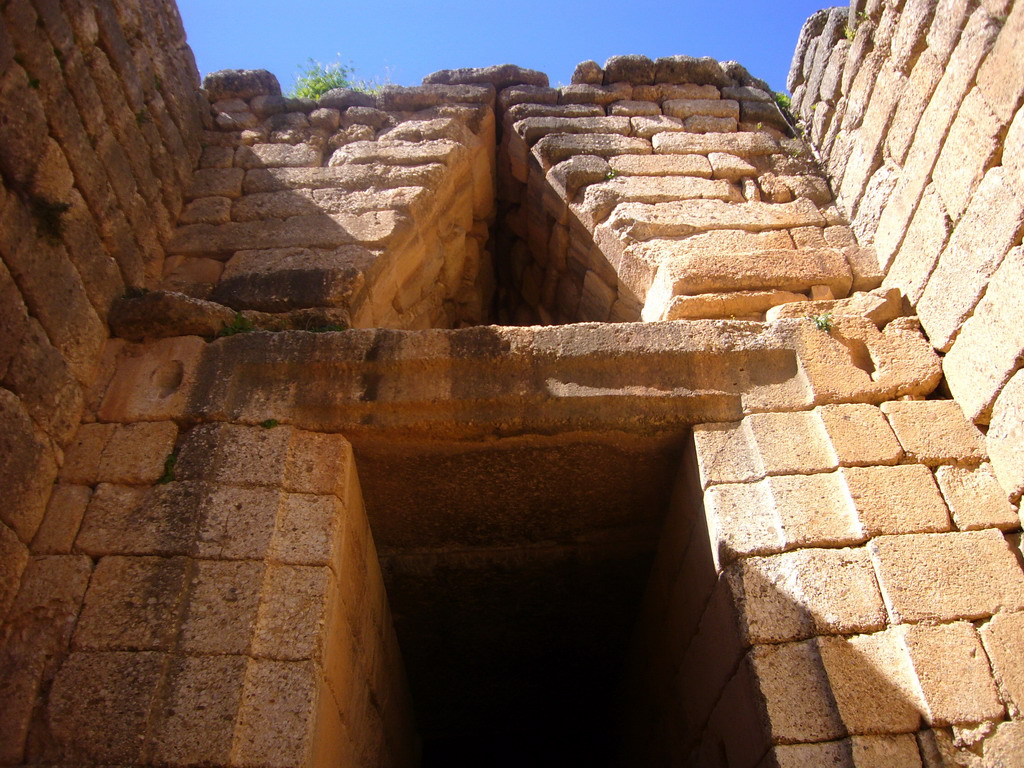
635, 422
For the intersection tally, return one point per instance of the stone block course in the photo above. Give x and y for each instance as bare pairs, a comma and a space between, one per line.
934, 432
975, 498
900, 499
1005, 437
947, 576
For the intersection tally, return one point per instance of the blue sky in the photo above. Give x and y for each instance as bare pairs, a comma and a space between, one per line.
403, 41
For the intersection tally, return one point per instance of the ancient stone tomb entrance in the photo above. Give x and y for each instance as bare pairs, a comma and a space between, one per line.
515, 570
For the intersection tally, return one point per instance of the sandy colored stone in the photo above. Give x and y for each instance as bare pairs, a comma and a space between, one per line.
644, 222
169, 367
532, 129
1005, 437
220, 616
954, 674
830, 754
216, 182
234, 523
441, 151
133, 604
740, 144
554, 148
797, 595
934, 432
873, 683
139, 521
120, 688
136, 453
815, 510
234, 454
990, 344
206, 210
275, 719
978, 245
348, 177
684, 108
634, 108
1002, 72
900, 499
726, 453
739, 304
64, 513
944, 576
582, 93
267, 205
741, 521
975, 498
661, 165
277, 156
308, 530
860, 435
726, 166
791, 443
888, 751
1003, 637
647, 127
195, 723
705, 124
596, 299
14, 557
297, 605
82, 458
798, 692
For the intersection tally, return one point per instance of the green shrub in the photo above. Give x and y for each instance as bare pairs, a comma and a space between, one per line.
317, 79
782, 100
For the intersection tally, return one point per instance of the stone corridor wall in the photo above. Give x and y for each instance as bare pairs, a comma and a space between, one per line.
915, 108
100, 128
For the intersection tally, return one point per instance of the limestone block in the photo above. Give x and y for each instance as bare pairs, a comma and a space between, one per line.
554, 148
830, 754
596, 300
1001, 77
763, 115
411, 99
972, 142
594, 94
798, 694
297, 606
900, 499
797, 595
133, 604
276, 716
741, 144
888, 751
953, 672
280, 279
873, 682
660, 189
739, 304
925, 239
661, 165
731, 167
64, 513
532, 129
215, 182
1005, 745
13, 559
944, 576
588, 72
814, 510
636, 70
1003, 637
645, 222
27, 468
726, 453
221, 609
741, 521
647, 127
206, 210
975, 498
131, 520
791, 443
687, 69
444, 151
308, 530
860, 435
989, 347
981, 240
196, 717
522, 111
232, 523
634, 108
571, 175
1005, 437
934, 432
240, 84
526, 94
279, 205
684, 108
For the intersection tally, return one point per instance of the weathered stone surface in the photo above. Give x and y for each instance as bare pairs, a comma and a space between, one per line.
796, 595
726, 166
133, 604
554, 148
277, 280
860, 435
943, 576
588, 72
741, 521
900, 499
27, 468
726, 453
569, 176
661, 165
634, 108
220, 182
533, 128
925, 239
645, 222
990, 345
975, 498
934, 431
500, 76
159, 314
687, 69
741, 144
1002, 73
277, 156
814, 510
220, 615
632, 69
1003, 637
594, 94
394, 97
737, 304
684, 108
240, 84
1005, 437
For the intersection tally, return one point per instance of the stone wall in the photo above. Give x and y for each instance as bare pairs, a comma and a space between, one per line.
915, 109
99, 131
